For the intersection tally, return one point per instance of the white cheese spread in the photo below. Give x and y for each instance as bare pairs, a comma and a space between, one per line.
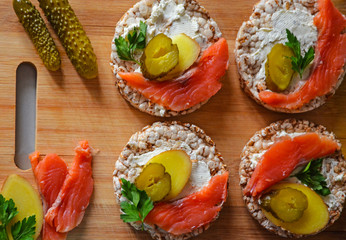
298, 21
171, 18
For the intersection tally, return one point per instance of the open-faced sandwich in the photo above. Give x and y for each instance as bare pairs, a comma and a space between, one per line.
291, 55
170, 181
168, 56
292, 174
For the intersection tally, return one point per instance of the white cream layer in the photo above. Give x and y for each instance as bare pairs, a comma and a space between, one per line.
300, 23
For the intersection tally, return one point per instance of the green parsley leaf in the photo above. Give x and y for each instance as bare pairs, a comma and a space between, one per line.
138, 205
8, 211
298, 62
312, 177
25, 229
21, 230
136, 39
123, 49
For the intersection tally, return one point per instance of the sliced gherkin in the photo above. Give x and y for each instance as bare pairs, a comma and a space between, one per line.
287, 204
74, 39
159, 57
278, 68
34, 25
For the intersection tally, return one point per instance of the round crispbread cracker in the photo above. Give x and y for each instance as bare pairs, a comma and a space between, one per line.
333, 169
174, 136
141, 11
247, 42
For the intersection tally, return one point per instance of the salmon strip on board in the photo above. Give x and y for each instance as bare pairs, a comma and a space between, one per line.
330, 60
69, 207
50, 174
196, 86
279, 161
194, 211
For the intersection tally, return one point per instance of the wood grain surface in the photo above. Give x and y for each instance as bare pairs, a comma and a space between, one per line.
70, 109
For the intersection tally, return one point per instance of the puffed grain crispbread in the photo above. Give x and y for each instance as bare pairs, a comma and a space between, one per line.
333, 169
174, 136
142, 10
248, 42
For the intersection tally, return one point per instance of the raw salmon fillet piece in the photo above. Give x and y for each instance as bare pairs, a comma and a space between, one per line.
330, 60
196, 210
50, 174
69, 207
279, 161
195, 86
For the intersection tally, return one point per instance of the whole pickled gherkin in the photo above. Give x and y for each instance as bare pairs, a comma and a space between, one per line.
34, 25
72, 36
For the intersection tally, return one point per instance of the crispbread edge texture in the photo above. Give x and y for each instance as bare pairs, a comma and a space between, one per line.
178, 136
246, 73
207, 26
334, 168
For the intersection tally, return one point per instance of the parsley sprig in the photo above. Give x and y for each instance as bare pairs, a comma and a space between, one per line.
135, 39
139, 204
21, 230
312, 177
7, 212
299, 63
24, 230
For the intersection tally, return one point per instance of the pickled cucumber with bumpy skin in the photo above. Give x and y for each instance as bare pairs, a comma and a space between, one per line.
34, 25
74, 39
286, 204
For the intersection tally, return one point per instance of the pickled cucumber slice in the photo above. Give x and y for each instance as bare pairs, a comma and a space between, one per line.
159, 57
278, 68
74, 39
34, 25
286, 204
154, 181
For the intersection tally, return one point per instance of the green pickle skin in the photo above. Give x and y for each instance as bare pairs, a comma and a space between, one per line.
72, 36
34, 25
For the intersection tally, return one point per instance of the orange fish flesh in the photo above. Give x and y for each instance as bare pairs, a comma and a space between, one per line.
50, 174
194, 211
69, 207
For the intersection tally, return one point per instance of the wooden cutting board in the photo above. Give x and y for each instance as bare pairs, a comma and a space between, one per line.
70, 109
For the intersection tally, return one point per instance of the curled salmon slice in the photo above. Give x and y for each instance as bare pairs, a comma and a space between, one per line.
196, 86
279, 161
69, 207
330, 61
50, 174
196, 210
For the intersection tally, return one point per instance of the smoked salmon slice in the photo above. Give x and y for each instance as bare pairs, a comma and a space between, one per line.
196, 210
197, 85
330, 60
279, 161
50, 174
69, 207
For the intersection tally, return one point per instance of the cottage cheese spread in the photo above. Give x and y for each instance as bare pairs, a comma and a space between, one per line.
299, 22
